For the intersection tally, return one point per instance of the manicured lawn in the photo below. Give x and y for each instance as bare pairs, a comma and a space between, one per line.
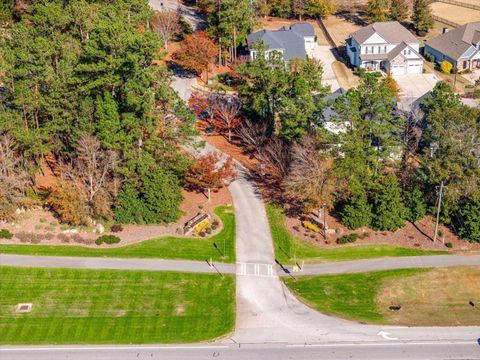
105, 306
351, 296
428, 297
166, 248
288, 247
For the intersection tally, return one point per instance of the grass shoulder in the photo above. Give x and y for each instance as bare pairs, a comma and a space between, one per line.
168, 247
288, 247
438, 297
104, 306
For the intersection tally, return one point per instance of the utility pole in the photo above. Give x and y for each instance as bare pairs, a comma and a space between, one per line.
440, 195
324, 221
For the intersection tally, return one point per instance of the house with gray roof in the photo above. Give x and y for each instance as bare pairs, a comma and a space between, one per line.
292, 42
460, 47
385, 46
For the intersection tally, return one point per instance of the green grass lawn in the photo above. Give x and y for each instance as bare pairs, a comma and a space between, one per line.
351, 296
166, 248
107, 306
288, 247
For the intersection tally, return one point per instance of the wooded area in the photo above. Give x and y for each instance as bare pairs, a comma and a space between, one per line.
81, 94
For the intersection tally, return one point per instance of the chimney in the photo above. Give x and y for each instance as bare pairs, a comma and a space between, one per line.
445, 30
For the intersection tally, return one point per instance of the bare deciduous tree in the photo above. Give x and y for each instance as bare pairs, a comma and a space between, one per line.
275, 158
95, 166
167, 24
254, 135
227, 111
13, 178
310, 178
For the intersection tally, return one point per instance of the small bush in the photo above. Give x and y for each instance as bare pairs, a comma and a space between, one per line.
208, 231
43, 220
5, 234
202, 234
49, 236
107, 239
64, 238
449, 245
53, 224
38, 227
296, 228
116, 228
446, 67
338, 231
214, 227
78, 239
429, 57
215, 222
345, 239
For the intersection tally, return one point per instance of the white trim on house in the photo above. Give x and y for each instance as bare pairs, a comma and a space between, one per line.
377, 54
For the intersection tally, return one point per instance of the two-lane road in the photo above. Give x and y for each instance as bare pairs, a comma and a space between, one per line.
340, 351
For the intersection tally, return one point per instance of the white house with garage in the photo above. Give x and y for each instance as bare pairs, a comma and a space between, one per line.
385, 46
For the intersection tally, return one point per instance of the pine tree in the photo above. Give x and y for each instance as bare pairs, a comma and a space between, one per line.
377, 10
416, 207
357, 212
388, 207
422, 17
399, 10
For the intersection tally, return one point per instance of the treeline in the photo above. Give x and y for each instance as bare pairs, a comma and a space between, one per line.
80, 91
370, 162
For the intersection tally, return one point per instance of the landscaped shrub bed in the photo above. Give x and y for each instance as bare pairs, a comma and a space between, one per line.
107, 239
5, 234
345, 239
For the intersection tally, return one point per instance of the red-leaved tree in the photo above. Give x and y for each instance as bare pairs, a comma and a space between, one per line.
210, 171
197, 53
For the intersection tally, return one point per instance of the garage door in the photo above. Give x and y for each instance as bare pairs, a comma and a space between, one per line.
398, 69
415, 68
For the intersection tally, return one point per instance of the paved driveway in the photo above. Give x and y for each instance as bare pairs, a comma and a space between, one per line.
325, 55
413, 87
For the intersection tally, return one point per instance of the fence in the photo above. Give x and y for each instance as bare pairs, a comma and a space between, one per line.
326, 33
461, 3
445, 21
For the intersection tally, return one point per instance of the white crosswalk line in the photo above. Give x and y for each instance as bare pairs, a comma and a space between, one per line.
255, 269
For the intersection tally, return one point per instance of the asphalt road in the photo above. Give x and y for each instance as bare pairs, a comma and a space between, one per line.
115, 263
261, 269
358, 351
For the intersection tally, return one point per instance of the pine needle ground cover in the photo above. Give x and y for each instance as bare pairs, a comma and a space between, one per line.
107, 306
168, 247
288, 247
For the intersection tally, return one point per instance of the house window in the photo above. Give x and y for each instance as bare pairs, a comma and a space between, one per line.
385, 49
409, 52
366, 49
254, 55
465, 64
379, 50
373, 50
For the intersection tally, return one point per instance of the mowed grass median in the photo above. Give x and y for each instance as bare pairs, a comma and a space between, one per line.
168, 247
288, 247
106, 306
428, 297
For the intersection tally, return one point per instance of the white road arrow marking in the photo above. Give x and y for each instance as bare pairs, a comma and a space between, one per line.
384, 334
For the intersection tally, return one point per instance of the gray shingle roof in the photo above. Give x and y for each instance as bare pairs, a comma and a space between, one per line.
392, 31
457, 41
290, 40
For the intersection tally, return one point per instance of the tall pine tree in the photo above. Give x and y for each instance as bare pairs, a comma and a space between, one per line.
422, 17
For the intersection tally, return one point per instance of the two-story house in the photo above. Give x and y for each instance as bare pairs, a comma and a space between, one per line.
460, 47
292, 42
385, 46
